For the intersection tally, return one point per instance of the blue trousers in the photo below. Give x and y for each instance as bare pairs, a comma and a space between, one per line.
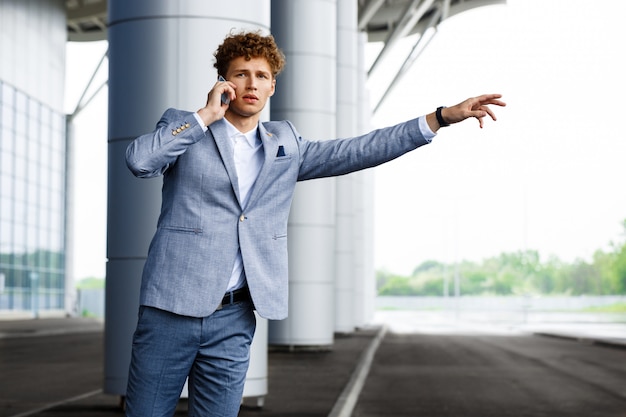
213, 351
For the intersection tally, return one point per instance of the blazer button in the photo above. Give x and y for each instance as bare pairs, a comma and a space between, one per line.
242, 218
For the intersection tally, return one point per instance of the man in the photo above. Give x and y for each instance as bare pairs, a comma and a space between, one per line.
220, 249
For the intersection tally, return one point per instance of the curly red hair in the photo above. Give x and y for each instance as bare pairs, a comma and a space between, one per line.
249, 45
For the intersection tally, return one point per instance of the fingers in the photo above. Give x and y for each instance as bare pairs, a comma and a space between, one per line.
489, 98
478, 107
482, 112
226, 91
490, 112
222, 90
481, 108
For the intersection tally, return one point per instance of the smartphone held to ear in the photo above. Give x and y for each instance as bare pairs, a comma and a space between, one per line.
225, 98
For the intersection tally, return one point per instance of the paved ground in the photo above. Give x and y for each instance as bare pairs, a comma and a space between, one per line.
53, 367
416, 375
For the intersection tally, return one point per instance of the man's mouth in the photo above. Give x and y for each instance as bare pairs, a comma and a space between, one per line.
250, 98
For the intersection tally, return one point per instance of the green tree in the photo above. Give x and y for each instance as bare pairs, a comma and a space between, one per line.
618, 283
520, 272
397, 285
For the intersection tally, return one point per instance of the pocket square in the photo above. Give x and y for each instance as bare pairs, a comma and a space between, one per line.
281, 151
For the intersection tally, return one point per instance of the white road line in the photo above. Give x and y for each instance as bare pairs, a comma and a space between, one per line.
58, 403
350, 394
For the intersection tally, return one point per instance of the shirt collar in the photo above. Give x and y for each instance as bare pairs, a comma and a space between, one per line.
251, 136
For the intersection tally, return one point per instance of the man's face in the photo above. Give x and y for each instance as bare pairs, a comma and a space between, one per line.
254, 85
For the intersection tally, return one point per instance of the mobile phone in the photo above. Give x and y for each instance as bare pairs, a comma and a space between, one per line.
225, 98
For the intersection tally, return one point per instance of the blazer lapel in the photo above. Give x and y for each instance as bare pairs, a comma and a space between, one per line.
270, 147
225, 147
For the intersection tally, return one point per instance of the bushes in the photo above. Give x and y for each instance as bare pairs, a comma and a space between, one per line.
520, 272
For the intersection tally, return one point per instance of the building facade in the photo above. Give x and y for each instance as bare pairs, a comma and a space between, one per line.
32, 157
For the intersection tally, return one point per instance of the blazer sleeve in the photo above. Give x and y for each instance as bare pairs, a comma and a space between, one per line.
320, 159
150, 155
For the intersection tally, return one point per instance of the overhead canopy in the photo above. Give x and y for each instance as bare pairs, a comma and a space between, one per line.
385, 21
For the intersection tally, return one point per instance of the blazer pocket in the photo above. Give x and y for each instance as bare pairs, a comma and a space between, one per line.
181, 229
282, 159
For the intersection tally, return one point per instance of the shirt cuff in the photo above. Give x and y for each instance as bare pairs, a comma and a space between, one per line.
204, 128
425, 129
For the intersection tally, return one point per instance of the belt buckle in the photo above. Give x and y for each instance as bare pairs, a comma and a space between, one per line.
219, 307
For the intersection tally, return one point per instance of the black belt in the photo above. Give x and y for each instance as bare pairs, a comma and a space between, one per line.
237, 296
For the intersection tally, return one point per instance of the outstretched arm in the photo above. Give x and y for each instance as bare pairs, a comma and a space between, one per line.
472, 107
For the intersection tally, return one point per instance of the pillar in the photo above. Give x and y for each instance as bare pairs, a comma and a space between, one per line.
161, 55
306, 95
347, 114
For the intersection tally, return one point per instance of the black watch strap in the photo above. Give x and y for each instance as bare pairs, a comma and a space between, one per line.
442, 122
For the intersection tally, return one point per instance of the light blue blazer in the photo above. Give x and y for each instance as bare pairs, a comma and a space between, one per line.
203, 223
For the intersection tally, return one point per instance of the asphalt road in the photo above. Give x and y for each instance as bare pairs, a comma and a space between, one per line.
48, 375
415, 375
38, 371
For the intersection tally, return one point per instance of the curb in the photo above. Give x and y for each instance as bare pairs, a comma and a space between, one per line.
614, 343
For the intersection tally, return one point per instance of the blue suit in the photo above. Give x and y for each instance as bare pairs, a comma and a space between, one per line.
203, 223
182, 332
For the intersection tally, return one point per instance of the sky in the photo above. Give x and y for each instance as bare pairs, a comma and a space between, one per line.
548, 175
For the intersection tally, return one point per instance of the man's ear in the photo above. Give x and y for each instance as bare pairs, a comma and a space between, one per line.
273, 87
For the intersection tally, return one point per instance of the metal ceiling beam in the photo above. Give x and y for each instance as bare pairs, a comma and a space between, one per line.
385, 21
367, 12
418, 47
413, 13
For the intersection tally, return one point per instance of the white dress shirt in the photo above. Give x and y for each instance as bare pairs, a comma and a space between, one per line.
248, 156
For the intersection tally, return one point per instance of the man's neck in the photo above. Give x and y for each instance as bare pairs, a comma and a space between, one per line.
242, 124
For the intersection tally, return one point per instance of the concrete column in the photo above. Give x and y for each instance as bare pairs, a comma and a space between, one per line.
161, 55
347, 114
358, 265
306, 95
70, 195
365, 282
365, 289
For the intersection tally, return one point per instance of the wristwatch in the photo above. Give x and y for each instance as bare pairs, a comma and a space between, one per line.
442, 123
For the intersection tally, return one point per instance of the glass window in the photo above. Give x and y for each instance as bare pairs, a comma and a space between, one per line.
46, 114
20, 145
6, 231
20, 189
6, 139
31, 243
44, 195
6, 210
8, 95
32, 205
8, 115
19, 237
32, 193
20, 169
20, 123
6, 164
20, 101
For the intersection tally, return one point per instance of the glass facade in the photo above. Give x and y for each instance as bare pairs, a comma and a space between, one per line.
32, 203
